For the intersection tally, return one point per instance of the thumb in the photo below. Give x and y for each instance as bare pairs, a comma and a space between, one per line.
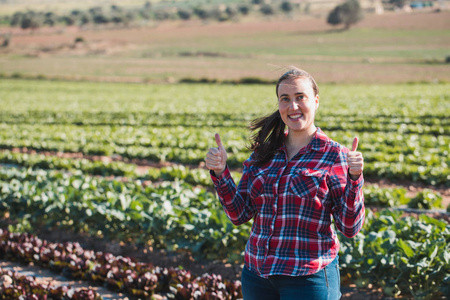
355, 144
218, 140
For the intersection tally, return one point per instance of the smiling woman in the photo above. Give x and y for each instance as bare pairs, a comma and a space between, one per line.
293, 184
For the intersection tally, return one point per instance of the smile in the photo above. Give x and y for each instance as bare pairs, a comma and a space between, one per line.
295, 117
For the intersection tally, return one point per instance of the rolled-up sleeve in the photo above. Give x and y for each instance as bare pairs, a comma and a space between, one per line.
234, 199
348, 197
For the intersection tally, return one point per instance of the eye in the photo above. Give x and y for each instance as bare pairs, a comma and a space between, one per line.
284, 99
301, 98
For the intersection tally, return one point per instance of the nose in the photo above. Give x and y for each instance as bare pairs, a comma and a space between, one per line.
294, 105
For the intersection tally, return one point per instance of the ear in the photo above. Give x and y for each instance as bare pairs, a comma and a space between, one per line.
317, 102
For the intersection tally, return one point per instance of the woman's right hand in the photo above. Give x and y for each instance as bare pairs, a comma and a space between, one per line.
216, 159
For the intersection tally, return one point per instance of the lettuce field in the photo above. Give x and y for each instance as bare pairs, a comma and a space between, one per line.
124, 162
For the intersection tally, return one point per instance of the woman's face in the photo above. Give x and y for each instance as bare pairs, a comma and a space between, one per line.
297, 104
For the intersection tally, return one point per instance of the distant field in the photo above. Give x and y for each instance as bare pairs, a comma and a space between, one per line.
412, 49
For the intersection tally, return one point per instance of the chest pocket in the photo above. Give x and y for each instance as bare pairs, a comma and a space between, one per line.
306, 182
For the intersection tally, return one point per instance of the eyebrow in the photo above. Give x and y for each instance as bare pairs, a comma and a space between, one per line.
282, 95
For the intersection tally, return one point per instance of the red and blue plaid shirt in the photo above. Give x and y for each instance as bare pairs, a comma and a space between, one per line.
291, 203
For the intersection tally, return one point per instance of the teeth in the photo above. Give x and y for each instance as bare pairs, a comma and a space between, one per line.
297, 116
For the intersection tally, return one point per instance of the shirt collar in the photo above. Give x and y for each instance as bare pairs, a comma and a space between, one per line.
318, 143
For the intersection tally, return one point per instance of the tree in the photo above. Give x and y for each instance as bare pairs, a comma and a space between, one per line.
30, 20
118, 18
286, 6
231, 11
398, 3
100, 19
244, 9
161, 15
16, 19
348, 13
68, 20
97, 15
202, 13
76, 13
184, 14
50, 19
335, 16
267, 9
119, 15
85, 19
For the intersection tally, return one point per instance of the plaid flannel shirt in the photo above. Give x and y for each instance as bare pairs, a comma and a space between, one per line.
291, 203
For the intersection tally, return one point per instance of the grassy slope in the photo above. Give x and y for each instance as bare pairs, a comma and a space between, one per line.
372, 52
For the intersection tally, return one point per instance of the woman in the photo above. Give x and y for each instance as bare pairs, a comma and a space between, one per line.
292, 184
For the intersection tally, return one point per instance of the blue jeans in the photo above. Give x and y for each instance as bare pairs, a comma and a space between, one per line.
323, 285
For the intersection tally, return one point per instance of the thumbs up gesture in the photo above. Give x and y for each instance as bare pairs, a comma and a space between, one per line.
216, 159
355, 161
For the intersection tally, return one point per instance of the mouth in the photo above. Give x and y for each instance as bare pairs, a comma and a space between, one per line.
295, 116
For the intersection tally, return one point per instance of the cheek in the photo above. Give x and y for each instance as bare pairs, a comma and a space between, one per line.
282, 109
309, 107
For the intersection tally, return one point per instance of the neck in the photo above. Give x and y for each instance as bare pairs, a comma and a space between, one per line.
297, 140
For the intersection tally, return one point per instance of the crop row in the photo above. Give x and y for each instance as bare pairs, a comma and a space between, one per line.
195, 176
121, 274
170, 215
388, 155
143, 142
14, 286
401, 255
421, 124
374, 195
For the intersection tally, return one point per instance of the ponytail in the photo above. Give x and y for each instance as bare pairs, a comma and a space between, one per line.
268, 138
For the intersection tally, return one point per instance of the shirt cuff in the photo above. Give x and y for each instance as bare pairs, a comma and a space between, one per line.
217, 180
356, 183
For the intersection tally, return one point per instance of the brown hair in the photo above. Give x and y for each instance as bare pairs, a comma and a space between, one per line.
270, 129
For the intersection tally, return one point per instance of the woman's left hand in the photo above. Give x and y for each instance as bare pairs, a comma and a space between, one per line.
355, 161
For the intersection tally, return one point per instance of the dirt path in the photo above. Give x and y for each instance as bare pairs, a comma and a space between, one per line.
45, 277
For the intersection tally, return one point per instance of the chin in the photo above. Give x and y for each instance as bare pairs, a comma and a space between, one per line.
298, 126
